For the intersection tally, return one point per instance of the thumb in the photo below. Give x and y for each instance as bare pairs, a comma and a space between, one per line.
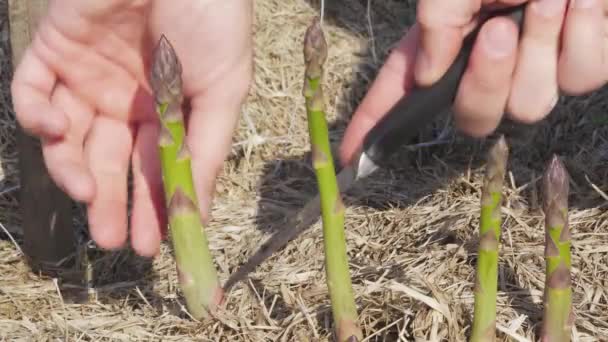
393, 81
441, 32
211, 125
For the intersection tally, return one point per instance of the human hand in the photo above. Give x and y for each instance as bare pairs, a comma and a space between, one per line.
82, 87
563, 47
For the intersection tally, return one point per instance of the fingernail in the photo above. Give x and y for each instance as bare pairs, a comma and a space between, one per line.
500, 40
582, 4
553, 102
550, 8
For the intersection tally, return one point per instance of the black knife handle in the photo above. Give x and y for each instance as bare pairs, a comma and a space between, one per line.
422, 105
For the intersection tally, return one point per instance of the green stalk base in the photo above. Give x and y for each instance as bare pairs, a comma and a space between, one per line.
557, 316
197, 274
484, 316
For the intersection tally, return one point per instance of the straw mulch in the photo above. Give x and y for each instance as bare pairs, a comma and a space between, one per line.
411, 229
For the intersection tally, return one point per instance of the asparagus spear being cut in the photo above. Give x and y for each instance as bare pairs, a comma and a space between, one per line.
484, 319
197, 274
557, 313
332, 208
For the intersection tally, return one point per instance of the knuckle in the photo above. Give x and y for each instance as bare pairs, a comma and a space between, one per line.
426, 15
441, 13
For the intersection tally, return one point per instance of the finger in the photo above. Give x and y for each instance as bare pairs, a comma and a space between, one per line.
31, 89
534, 90
212, 122
100, 9
483, 92
108, 148
91, 69
581, 64
393, 81
148, 218
442, 26
65, 156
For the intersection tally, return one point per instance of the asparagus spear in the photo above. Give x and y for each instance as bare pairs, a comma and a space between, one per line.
484, 321
557, 313
197, 274
332, 208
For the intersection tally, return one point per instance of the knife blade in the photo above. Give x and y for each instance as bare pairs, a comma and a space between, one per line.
420, 107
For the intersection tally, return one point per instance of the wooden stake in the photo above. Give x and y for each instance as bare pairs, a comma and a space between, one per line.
45, 210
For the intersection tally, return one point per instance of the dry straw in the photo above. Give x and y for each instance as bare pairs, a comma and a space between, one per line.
412, 228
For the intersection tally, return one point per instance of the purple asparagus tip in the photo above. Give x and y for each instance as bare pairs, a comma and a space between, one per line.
166, 72
555, 184
315, 45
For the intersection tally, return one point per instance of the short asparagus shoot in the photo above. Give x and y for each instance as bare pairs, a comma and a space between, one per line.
484, 316
557, 311
332, 208
197, 274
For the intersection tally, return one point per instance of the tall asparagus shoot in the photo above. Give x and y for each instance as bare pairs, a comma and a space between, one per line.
332, 208
197, 274
484, 316
557, 313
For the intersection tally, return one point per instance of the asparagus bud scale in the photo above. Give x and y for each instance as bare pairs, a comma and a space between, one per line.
332, 208
197, 274
557, 311
484, 316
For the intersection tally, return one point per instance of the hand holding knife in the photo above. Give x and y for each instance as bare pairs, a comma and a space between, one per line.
419, 108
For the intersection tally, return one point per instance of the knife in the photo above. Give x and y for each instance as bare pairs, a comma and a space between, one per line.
420, 107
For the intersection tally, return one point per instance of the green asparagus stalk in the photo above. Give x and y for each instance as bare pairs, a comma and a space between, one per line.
484, 316
557, 313
332, 208
197, 274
